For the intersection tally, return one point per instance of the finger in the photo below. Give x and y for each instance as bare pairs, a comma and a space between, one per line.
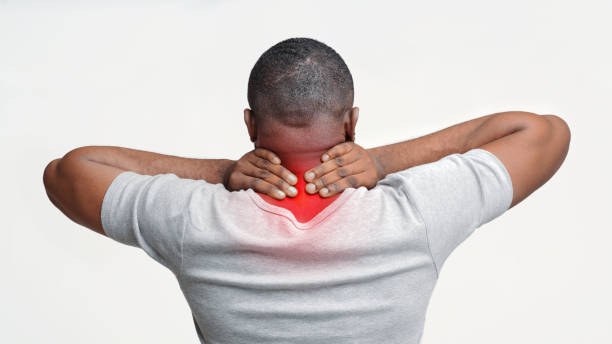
268, 155
241, 181
262, 186
338, 150
329, 166
335, 175
278, 170
352, 181
280, 184
247, 176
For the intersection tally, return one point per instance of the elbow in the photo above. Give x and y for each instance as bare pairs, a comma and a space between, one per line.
549, 132
50, 173
50, 181
553, 134
54, 175
58, 167
549, 127
560, 128
50, 178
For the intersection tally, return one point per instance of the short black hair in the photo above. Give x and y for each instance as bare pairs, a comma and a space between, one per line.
298, 79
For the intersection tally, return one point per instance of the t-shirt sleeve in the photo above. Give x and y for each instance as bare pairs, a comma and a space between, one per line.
149, 212
456, 195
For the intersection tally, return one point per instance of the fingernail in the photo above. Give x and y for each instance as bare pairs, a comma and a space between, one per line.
276, 160
292, 178
325, 157
324, 191
309, 176
280, 193
292, 191
311, 188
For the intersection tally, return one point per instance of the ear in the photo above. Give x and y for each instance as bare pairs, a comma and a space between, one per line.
249, 121
350, 123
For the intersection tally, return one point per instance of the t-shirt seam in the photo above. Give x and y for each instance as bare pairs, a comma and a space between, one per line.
104, 209
433, 260
320, 217
429, 251
180, 270
109, 202
186, 222
506, 173
474, 171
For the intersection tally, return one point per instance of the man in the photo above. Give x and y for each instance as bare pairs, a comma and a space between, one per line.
334, 262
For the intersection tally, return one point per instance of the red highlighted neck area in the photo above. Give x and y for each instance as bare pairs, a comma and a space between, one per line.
304, 206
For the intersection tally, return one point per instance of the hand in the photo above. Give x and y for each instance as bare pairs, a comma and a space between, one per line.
260, 170
346, 165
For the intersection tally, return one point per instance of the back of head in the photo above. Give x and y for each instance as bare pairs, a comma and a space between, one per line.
299, 80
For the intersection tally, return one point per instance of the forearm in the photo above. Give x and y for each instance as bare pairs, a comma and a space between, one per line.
458, 138
143, 162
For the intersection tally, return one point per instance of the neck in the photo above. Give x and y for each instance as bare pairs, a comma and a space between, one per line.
304, 206
300, 162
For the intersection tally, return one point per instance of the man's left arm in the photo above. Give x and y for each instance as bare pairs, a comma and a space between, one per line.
76, 183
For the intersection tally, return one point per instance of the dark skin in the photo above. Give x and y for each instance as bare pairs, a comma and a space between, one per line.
300, 149
532, 147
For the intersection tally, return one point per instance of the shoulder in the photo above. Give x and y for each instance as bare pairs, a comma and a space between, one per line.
450, 165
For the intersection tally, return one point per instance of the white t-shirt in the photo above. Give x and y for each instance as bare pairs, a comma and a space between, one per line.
360, 271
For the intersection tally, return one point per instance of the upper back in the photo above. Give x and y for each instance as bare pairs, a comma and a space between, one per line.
358, 270
362, 269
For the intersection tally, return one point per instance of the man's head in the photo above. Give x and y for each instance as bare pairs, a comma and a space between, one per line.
301, 96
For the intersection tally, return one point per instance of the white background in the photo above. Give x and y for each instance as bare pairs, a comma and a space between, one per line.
172, 78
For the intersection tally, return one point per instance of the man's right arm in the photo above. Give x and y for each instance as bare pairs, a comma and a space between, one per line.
531, 147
